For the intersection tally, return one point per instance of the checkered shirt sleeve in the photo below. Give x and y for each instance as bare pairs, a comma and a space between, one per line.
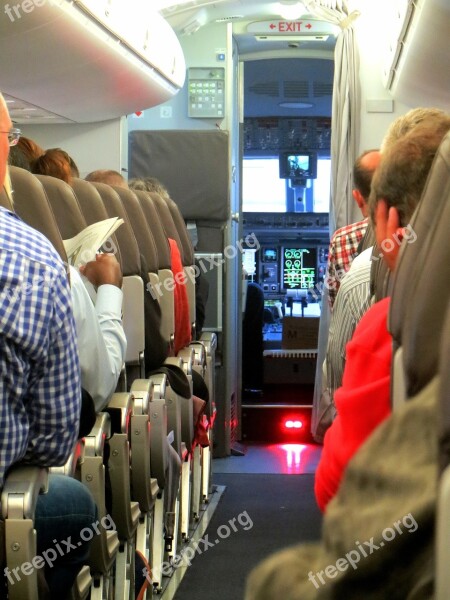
40, 391
343, 249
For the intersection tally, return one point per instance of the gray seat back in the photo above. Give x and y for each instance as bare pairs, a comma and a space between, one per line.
32, 205
424, 296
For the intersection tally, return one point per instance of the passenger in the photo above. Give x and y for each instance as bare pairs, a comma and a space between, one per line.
107, 176
407, 122
40, 383
101, 339
391, 480
73, 166
354, 299
18, 158
344, 242
30, 148
54, 164
350, 304
363, 400
152, 184
149, 184
100, 335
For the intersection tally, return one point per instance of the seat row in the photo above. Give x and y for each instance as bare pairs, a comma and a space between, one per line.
149, 425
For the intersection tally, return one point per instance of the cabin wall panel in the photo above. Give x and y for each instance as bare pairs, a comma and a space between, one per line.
369, 29
92, 146
200, 50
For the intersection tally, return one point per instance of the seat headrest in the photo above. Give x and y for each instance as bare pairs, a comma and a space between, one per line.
93, 209
167, 221
379, 275
368, 239
141, 230
32, 205
155, 225
188, 250
422, 289
129, 251
65, 206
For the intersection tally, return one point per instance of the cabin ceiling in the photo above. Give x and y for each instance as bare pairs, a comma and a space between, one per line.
276, 82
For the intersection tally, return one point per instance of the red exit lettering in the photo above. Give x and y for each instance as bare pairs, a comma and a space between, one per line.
285, 26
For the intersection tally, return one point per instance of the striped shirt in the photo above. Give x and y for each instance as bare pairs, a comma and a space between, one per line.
352, 302
40, 389
343, 249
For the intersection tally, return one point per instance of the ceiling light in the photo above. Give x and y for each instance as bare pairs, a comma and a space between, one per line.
291, 10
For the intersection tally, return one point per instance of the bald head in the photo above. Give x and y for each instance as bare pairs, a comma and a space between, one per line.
107, 176
363, 171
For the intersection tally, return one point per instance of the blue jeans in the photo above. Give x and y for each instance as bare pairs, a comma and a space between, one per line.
61, 515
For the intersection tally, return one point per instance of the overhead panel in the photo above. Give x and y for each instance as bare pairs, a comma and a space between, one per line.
417, 64
87, 61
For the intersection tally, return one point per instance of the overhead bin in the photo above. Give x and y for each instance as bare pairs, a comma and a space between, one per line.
417, 58
87, 61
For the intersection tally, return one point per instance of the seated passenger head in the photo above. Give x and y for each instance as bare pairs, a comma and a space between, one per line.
399, 181
18, 158
107, 176
73, 167
149, 184
54, 164
363, 171
30, 149
405, 123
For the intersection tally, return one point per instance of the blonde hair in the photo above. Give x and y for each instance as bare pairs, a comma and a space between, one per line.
403, 125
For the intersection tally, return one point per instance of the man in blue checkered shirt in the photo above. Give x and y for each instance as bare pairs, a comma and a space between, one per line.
40, 389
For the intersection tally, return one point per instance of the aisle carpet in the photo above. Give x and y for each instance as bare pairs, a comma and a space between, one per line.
271, 512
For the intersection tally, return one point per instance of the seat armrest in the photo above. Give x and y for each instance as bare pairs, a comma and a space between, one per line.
22, 486
159, 381
209, 339
187, 356
142, 392
133, 317
200, 352
94, 442
119, 409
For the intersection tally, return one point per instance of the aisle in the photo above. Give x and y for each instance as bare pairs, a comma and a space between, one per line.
258, 513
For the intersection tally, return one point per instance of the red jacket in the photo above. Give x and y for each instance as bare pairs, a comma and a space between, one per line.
362, 402
182, 320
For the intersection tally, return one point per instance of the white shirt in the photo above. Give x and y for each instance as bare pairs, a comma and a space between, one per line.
352, 302
362, 259
101, 339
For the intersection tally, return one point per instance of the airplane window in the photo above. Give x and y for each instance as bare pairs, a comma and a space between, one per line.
264, 191
321, 186
262, 188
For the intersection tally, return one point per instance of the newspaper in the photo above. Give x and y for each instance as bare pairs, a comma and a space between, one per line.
85, 245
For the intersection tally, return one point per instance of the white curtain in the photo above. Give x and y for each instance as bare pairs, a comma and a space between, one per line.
345, 108
344, 143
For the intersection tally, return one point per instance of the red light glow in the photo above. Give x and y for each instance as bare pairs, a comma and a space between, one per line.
293, 424
293, 455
